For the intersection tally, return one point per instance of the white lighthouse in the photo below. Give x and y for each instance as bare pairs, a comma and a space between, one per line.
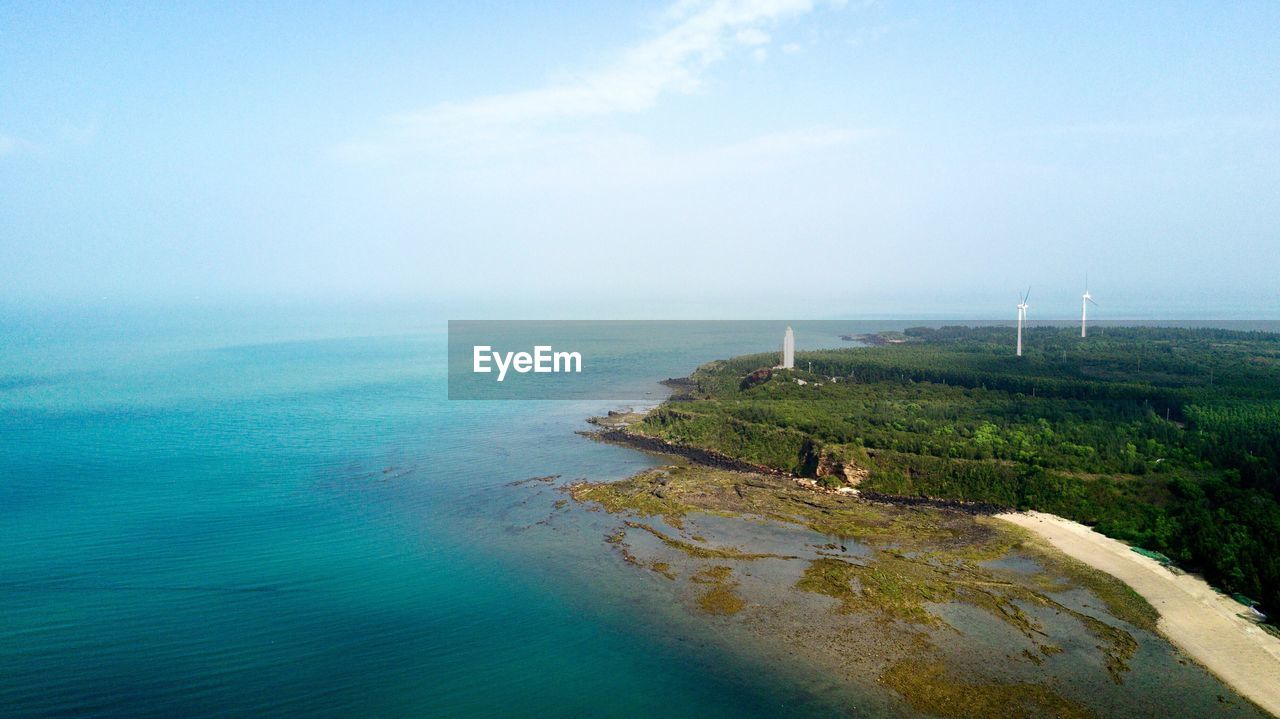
789, 350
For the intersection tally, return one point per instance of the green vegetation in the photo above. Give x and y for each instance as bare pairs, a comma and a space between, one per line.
720, 596
930, 689
641, 499
830, 481
891, 587
1166, 438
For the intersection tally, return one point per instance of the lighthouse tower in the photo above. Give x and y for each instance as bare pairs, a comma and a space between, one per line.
789, 350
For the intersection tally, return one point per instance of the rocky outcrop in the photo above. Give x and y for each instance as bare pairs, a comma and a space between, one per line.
851, 473
951, 504
818, 460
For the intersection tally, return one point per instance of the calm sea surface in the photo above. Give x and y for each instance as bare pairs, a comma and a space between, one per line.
232, 518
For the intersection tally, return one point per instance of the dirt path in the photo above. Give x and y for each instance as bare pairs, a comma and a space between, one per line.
1206, 625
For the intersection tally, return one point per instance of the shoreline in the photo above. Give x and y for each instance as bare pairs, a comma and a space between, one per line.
1202, 622
1206, 625
615, 431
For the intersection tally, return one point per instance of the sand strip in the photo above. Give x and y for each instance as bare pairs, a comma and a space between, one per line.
1204, 624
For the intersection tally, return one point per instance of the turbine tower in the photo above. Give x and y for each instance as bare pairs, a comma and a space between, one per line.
1022, 318
1085, 299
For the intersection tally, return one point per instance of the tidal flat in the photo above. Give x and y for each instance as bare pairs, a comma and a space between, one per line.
928, 611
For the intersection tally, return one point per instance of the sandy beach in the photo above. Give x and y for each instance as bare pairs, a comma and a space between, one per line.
1208, 626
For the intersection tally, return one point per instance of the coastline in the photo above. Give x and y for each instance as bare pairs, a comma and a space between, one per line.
1207, 626
1196, 618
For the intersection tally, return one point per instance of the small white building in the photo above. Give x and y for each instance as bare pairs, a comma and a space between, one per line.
789, 350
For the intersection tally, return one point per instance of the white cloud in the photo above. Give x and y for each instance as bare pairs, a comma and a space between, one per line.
700, 34
7, 145
557, 144
671, 62
752, 37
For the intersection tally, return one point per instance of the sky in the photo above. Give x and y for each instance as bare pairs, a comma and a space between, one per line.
697, 158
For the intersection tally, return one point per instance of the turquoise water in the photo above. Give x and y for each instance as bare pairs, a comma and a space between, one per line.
238, 518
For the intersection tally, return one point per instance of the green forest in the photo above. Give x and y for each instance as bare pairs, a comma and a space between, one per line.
1166, 438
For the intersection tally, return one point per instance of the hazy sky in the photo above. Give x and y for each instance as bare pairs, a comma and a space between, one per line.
821, 157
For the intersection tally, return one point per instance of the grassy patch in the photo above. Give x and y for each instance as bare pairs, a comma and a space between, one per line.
720, 596
643, 495
930, 689
882, 588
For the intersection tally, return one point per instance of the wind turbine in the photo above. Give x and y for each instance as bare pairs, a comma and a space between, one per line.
1022, 317
1085, 299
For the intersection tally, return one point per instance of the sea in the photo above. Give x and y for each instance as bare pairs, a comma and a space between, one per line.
248, 512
